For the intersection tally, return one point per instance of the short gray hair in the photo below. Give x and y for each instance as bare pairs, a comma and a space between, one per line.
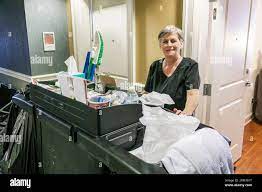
171, 29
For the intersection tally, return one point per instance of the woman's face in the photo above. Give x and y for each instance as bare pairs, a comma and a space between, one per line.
170, 45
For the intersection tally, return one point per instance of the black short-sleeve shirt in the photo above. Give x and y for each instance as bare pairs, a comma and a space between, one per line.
185, 77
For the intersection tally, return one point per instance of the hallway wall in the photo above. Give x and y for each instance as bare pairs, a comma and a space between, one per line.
150, 17
47, 16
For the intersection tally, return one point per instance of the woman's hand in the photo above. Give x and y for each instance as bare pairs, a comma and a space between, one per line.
191, 103
144, 93
179, 112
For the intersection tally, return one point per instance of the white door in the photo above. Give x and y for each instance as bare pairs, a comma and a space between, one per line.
229, 26
111, 21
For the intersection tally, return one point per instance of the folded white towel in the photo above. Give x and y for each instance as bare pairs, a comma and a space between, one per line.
204, 152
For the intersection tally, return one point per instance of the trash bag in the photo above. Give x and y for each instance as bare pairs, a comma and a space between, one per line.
20, 156
156, 99
4, 113
6, 95
8, 125
3, 123
162, 130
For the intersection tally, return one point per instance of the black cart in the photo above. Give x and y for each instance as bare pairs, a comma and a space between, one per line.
68, 137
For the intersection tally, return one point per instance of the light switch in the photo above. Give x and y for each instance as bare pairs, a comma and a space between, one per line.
9, 34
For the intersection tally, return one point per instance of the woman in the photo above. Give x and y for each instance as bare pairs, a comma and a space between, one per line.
175, 75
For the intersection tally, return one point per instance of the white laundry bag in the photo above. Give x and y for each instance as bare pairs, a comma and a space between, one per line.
156, 99
162, 130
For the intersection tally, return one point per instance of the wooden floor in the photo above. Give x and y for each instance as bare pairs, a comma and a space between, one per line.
251, 160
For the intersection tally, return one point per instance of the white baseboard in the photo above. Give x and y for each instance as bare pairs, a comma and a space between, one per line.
248, 118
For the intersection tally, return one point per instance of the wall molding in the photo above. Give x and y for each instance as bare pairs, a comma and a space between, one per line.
27, 78
47, 77
16, 75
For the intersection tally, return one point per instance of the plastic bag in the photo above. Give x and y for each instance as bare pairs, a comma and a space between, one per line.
132, 96
117, 97
156, 99
162, 130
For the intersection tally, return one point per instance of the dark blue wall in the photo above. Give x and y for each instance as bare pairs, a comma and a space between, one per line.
14, 51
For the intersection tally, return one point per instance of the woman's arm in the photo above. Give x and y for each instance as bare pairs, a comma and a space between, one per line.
192, 83
191, 103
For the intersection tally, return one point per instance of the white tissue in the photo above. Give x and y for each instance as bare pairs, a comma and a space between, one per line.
71, 65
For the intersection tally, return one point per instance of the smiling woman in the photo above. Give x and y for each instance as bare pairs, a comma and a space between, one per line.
175, 75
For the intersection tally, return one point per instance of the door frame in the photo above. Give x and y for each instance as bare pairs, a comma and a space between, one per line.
131, 41
249, 65
130, 35
196, 31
